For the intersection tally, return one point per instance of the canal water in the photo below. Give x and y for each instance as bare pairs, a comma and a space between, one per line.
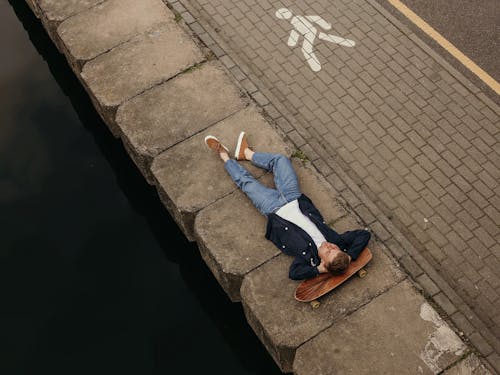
95, 277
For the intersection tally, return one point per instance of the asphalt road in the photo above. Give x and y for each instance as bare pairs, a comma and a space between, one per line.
473, 26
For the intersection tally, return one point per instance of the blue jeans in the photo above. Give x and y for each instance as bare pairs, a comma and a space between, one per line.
267, 200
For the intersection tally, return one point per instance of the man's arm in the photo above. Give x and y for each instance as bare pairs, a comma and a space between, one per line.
322, 268
355, 241
300, 270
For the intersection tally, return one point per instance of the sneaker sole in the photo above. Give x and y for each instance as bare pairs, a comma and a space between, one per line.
214, 138
238, 145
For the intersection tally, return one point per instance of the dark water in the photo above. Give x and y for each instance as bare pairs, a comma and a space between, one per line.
95, 277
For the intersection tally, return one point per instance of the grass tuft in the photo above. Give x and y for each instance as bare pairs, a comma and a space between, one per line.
299, 154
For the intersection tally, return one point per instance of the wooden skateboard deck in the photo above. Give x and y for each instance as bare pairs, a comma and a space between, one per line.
311, 289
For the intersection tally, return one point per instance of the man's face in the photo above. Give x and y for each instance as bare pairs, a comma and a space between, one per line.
328, 251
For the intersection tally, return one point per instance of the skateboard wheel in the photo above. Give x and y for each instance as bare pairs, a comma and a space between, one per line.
362, 273
315, 304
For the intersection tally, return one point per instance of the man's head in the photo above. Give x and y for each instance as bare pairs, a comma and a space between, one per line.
334, 259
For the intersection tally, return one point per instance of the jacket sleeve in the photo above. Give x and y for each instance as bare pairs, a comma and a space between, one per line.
300, 270
311, 208
355, 241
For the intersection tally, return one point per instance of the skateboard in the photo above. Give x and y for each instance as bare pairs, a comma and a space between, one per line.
311, 289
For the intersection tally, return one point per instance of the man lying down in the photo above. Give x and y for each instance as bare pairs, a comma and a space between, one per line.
294, 224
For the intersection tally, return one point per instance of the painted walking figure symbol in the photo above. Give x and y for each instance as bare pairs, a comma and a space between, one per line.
304, 26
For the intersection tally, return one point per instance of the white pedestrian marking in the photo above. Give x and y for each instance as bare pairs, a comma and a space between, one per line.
304, 26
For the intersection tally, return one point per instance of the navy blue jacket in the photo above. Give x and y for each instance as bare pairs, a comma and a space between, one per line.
293, 240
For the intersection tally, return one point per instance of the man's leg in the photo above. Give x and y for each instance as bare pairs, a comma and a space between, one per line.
285, 177
266, 200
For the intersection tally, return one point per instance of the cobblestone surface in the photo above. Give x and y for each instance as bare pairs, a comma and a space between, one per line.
411, 145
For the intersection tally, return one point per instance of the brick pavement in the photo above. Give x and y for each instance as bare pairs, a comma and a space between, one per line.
411, 145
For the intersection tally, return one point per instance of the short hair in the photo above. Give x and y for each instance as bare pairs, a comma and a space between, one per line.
339, 264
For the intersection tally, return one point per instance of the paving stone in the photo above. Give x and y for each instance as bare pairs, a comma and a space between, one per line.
227, 245
480, 343
53, 12
429, 286
175, 110
231, 249
396, 333
494, 361
139, 64
103, 27
283, 324
462, 323
345, 223
471, 365
411, 266
365, 214
380, 231
445, 303
189, 176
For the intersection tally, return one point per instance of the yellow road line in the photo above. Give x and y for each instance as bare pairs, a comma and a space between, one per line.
425, 27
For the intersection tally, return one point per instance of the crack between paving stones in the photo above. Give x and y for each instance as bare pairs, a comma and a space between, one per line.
347, 315
462, 357
159, 83
58, 22
194, 135
84, 62
223, 196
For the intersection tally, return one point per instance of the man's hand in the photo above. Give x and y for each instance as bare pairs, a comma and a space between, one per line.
322, 268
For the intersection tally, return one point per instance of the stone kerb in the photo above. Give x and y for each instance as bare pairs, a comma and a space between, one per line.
230, 237
90, 33
137, 65
396, 333
56, 11
189, 177
53, 12
176, 110
230, 232
283, 324
34, 8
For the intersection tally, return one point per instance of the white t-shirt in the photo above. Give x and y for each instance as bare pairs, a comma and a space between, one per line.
291, 212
